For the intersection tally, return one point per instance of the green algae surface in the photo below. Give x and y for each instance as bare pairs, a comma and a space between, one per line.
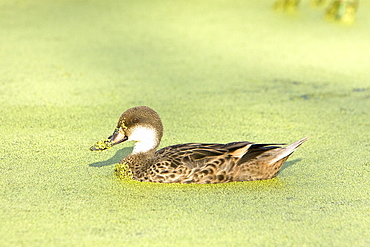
215, 71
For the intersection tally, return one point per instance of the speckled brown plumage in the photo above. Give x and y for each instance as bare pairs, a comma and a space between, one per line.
191, 162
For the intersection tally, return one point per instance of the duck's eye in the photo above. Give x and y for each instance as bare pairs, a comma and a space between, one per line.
135, 120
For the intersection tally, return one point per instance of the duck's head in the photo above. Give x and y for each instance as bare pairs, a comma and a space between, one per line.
140, 124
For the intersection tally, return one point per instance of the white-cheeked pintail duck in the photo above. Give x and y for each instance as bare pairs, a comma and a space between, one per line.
191, 162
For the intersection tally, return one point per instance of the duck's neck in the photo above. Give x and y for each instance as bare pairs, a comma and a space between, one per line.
146, 140
144, 148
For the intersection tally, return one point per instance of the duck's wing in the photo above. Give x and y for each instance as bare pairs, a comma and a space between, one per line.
200, 154
219, 163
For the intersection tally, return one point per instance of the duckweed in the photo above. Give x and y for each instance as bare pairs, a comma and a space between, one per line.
342, 11
122, 124
102, 145
123, 171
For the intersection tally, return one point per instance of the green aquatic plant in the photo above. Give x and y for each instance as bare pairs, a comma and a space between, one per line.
317, 3
343, 11
286, 5
123, 171
102, 145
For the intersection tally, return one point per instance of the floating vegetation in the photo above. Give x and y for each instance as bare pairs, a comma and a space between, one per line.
317, 3
123, 171
286, 5
343, 11
102, 145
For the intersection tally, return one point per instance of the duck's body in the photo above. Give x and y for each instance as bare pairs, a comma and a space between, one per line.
190, 162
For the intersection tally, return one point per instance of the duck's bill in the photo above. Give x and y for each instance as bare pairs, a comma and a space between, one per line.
114, 139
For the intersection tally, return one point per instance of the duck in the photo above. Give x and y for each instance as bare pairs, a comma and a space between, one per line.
201, 163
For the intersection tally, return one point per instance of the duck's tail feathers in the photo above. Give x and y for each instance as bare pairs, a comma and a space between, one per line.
288, 150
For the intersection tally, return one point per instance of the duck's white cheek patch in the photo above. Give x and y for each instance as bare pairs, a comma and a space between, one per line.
146, 139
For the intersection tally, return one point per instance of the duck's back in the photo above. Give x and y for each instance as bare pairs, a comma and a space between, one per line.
213, 163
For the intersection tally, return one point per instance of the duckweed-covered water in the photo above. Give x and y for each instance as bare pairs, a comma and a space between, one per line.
215, 71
